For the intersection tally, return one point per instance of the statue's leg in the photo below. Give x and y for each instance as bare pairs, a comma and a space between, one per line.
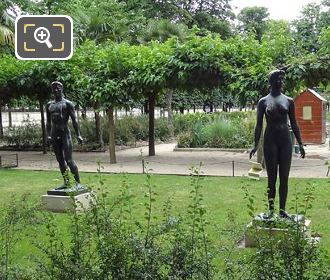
284, 169
271, 160
67, 148
57, 147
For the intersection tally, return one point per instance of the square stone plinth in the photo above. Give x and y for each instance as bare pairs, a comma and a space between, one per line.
58, 203
250, 240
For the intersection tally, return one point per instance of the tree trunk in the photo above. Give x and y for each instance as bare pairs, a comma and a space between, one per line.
43, 127
116, 115
151, 101
10, 120
146, 107
1, 125
169, 97
84, 113
112, 145
181, 109
194, 109
98, 129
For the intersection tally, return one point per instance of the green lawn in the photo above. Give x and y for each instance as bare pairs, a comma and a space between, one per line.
221, 195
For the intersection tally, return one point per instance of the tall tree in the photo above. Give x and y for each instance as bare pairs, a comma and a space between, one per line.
314, 17
253, 19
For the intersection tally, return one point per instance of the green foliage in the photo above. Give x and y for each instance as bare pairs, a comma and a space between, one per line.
108, 243
290, 254
113, 240
253, 20
7, 22
184, 139
128, 130
26, 136
15, 216
314, 18
217, 130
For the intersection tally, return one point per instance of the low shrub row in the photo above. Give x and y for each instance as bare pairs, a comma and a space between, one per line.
219, 130
222, 130
128, 130
27, 136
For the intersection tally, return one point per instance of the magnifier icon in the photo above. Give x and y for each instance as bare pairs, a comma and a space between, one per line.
41, 35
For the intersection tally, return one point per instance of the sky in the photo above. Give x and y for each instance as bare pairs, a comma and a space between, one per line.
279, 9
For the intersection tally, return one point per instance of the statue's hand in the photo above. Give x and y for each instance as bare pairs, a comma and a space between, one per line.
302, 151
80, 139
253, 151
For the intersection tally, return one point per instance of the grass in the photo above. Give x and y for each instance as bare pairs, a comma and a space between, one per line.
221, 196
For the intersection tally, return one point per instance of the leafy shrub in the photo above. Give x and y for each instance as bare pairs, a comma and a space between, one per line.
220, 134
184, 139
108, 243
197, 135
162, 129
128, 130
29, 135
15, 216
187, 122
217, 130
87, 129
290, 255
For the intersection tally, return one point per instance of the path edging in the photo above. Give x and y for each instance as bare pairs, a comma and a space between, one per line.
176, 149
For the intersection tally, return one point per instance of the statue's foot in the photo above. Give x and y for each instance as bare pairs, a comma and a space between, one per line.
79, 186
284, 214
270, 214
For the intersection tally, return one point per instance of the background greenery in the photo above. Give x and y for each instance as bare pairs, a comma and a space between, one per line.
216, 130
174, 54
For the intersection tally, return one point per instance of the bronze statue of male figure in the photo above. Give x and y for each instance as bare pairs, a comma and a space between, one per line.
58, 133
277, 107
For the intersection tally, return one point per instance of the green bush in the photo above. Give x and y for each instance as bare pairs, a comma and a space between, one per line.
87, 129
29, 135
217, 130
198, 138
184, 139
187, 122
162, 129
205, 130
220, 134
107, 242
128, 130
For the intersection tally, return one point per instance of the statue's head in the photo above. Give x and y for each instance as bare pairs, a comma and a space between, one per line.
57, 89
276, 78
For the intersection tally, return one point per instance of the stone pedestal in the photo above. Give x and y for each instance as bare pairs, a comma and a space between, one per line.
65, 203
255, 171
250, 240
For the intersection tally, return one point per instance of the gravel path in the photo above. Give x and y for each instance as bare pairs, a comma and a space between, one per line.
166, 161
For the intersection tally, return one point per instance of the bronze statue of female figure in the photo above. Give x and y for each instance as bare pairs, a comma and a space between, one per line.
58, 112
277, 141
